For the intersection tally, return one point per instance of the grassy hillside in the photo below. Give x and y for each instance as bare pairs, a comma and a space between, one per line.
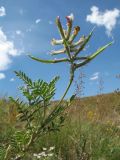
101, 108
91, 130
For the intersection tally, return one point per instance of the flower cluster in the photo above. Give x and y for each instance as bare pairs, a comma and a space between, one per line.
46, 153
71, 48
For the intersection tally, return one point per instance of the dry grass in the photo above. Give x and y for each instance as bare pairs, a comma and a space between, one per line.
91, 130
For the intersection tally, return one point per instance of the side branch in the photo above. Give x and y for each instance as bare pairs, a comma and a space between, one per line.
49, 61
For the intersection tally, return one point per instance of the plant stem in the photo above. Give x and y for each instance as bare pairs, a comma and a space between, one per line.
33, 136
52, 115
7, 153
70, 82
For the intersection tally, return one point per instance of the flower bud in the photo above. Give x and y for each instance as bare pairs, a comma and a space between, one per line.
76, 30
59, 25
57, 20
70, 18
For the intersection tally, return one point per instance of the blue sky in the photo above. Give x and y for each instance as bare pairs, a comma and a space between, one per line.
27, 27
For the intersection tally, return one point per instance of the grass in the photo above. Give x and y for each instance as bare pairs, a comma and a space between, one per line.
91, 130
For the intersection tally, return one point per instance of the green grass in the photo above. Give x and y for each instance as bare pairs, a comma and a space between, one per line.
91, 130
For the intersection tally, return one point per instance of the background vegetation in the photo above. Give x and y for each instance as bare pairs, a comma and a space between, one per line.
91, 130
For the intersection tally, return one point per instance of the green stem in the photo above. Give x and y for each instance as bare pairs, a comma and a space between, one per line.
68, 87
51, 115
60, 28
85, 42
7, 154
67, 48
34, 135
92, 56
49, 61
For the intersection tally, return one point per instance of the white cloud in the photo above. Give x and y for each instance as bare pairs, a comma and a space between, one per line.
12, 80
108, 18
18, 32
38, 21
7, 51
95, 76
2, 76
2, 11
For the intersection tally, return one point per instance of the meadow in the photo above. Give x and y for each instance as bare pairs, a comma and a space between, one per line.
73, 129
91, 130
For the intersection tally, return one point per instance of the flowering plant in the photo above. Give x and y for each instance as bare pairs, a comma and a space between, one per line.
39, 115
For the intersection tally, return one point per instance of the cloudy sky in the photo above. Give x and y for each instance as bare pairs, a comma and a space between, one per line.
27, 27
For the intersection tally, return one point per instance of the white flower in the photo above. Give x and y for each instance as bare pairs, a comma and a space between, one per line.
42, 154
44, 149
35, 155
51, 148
38, 157
50, 154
